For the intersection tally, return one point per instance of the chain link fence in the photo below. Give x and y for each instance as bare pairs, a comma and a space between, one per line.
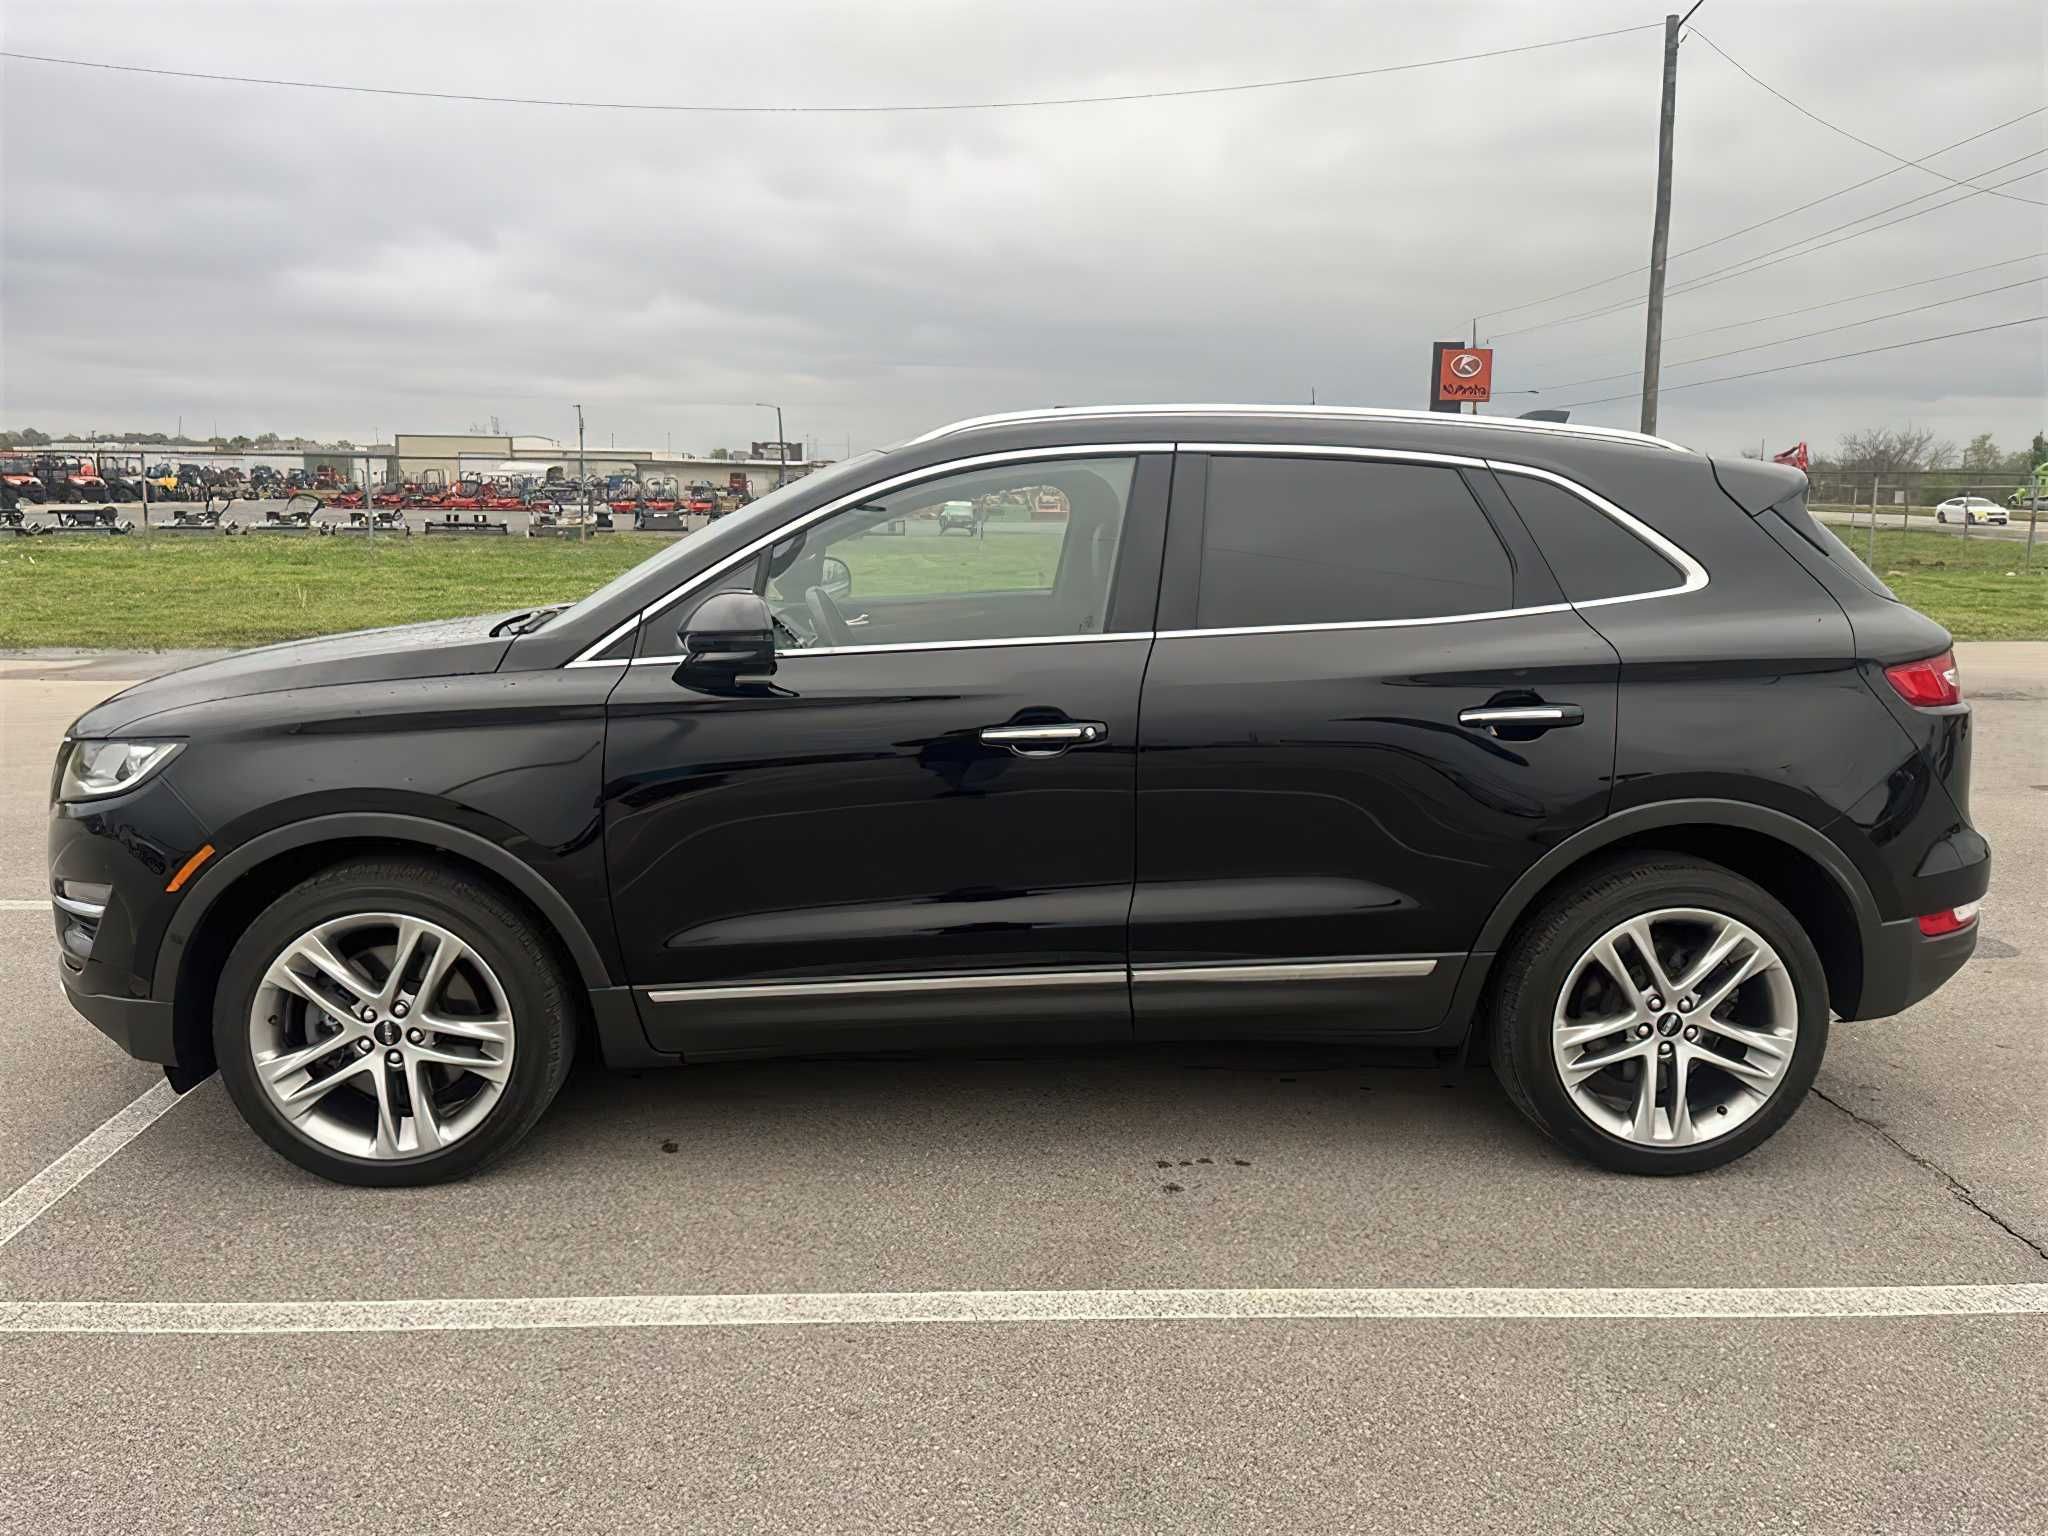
1965, 504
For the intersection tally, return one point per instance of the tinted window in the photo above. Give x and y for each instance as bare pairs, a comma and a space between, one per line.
1591, 554
1824, 539
1318, 541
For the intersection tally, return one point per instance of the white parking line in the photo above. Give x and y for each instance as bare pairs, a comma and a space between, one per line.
1456, 1303
12, 904
75, 1166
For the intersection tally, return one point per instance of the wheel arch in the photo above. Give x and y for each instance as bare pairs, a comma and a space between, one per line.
247, 879
1785, 856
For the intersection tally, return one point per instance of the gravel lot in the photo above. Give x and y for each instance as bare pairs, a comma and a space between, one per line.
1921, 1160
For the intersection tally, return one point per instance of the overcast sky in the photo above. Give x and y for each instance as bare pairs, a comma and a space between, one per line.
253, 258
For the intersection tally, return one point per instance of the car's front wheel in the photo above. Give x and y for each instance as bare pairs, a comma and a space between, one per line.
391, 1021
1663, 1016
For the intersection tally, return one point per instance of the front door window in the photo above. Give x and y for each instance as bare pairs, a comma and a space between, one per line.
1012, 552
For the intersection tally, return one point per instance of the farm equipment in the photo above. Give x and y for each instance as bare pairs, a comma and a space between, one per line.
451, 522
70, 479
123, 477
19, 483
299, 514
72, 517
13, 522
568, 519
265, 482
209, 517
658, 508
378, 519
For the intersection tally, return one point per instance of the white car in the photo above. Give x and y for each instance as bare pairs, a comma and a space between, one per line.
1970, 509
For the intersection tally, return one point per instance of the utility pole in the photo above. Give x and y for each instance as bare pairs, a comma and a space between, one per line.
1660, 235
582, 477
781, 448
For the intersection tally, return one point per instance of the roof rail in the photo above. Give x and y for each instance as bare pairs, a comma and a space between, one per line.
1332, 412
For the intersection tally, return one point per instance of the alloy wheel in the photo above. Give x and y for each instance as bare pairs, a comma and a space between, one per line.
1675, 1027
381, 1035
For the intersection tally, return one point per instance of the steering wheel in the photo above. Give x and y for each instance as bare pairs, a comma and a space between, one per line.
826, 618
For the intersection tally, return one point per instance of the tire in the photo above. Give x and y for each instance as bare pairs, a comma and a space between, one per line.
504, 953
1555, 945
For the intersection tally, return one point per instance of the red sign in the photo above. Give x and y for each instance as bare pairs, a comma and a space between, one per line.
1795, 456
1465, 374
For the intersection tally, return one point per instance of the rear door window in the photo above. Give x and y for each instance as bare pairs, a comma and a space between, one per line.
1591, 554
1319, 541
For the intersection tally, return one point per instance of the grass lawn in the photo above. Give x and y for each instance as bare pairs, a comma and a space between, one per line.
1979, 589
200, 591
172, 592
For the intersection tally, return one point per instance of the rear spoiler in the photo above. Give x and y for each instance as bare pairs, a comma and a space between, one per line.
1754, 485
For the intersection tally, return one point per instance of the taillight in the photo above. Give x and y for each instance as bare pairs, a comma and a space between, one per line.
1954, 920
1927, 684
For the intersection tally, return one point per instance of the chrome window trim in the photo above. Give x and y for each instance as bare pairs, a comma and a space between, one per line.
916, 645
586, 657
986, 981
1300, 413
1695, 575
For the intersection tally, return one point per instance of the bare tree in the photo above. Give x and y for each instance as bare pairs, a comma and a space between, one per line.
1894, 450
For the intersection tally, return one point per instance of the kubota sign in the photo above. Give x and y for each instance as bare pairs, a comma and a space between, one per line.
1465, 373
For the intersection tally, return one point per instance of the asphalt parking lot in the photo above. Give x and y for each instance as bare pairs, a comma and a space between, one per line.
1422, 1316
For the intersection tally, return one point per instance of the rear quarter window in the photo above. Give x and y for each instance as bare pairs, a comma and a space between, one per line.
1591, 554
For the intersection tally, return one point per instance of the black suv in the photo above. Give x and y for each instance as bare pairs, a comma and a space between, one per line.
1565, 748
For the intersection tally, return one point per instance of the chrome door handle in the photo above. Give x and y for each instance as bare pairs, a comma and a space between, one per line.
1540, 715
1045, 740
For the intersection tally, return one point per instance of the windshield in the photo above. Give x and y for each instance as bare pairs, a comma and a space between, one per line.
763, 513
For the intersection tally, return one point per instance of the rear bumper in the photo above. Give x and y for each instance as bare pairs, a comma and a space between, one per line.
1902, 965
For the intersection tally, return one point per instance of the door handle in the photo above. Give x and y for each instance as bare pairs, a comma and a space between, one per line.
1539, 717
1046, 740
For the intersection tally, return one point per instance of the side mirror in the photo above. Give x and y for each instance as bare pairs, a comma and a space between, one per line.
836, 577
727, 643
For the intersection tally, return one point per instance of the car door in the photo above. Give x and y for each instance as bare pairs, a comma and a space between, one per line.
920, 830
1369, 709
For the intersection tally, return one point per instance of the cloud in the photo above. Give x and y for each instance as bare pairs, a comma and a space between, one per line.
307, 261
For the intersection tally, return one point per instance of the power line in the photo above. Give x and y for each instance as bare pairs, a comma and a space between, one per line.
1847, 325
1874, 293
947, 106
1815, 202
1787, 251
1814, 362
1903, 160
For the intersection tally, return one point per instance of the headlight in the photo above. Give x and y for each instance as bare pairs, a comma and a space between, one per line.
94, 768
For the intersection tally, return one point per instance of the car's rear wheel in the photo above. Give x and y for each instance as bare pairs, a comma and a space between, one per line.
389, 1021
1664, 1016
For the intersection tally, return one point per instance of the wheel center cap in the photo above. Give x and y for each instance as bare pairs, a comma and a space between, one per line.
1667, 1025
388, 1033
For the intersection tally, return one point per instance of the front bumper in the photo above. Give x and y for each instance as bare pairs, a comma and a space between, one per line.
141, 1026
109, 863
